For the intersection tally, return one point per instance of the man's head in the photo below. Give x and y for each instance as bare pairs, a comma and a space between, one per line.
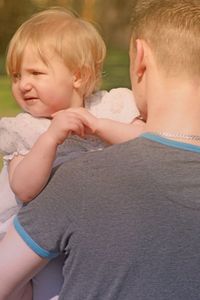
164, 47
59, 32
171, 28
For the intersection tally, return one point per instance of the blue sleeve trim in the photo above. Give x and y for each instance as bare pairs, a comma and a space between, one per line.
171, 143
31, 243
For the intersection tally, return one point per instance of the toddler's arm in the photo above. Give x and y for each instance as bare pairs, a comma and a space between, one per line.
29, 174
17, 268
113, 132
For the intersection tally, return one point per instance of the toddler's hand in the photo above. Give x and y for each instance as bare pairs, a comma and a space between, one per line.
90, 121
64, 123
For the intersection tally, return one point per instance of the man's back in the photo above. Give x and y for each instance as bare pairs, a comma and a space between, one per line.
128, 222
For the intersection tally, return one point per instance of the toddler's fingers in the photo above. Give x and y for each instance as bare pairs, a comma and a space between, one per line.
81, 112
77, 127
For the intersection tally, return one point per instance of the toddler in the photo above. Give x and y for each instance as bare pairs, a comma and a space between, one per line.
55, 64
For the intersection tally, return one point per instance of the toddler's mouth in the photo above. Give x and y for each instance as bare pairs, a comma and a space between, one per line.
30, 100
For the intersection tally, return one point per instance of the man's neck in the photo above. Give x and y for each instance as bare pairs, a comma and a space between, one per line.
174, 107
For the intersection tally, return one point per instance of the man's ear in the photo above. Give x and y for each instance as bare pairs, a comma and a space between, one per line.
140, 65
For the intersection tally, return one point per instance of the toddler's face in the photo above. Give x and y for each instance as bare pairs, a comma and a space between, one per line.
43, 89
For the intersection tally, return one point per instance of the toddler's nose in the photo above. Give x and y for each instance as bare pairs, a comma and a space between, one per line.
25, 84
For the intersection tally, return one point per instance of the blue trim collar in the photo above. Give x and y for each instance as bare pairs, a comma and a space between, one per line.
171, 143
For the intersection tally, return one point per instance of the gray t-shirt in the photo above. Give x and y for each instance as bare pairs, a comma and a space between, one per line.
127, 219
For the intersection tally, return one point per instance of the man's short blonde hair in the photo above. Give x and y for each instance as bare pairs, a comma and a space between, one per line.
75, 40
172, 30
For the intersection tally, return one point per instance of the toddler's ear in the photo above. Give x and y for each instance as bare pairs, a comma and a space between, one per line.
78, 80
81, 78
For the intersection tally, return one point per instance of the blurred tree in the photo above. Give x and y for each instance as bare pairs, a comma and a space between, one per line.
42, 4
114, 17
12, 14
88, 9
77, 5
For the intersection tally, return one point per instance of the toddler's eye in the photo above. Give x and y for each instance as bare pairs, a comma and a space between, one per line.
16, 76
36, 73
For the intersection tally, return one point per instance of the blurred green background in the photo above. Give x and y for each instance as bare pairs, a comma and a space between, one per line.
112, 19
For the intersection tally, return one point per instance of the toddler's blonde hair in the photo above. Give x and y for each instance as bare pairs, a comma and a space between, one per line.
172, 30
75, 40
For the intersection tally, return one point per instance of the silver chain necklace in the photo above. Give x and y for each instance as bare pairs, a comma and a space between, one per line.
177, 135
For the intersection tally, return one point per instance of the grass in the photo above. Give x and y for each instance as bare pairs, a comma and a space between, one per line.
116, 70
115, 74
8, 106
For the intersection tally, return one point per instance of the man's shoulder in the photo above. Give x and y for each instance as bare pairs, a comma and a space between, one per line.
107, 158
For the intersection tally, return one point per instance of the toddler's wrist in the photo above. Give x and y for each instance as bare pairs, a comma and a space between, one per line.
50, 139
99, 126
96, 126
